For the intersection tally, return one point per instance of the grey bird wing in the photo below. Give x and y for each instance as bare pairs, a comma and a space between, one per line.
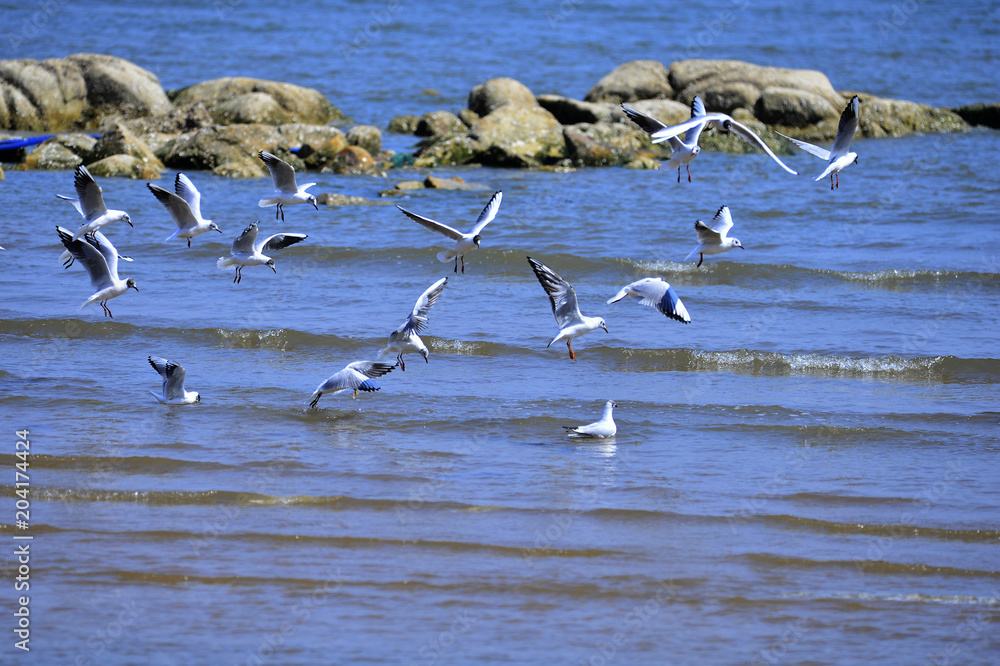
245, 242
722, 222
417, 320
562, 296
282, 173
371, 369
75, 202
846, 129
280, 241
492, 207
658, 294
188, 192
427, 223
107, 250
356, 376
173, 376
176, 205
650, 125
706, 234
748, 135
91, 257
821, 153
88, 193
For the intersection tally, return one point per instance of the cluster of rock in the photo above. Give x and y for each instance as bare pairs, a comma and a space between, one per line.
220, 125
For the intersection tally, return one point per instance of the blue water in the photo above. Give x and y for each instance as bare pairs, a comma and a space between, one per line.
804, 474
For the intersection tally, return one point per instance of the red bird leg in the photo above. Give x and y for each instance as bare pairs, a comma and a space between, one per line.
569, 345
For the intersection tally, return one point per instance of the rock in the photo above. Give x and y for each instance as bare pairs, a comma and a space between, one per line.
439, 123
124, 166
666, 111
895, 117
468, 117
331, 199
410, 185
980, 114
603, 144
351, 160
308, 138
175, 121
404, 124
516, 135
248, 167
572, 111
2, 176
79, 144
456, 183
793, 108
208, 148
324, 153
730, 143
244, 100
52, 154
643, 161
75, 92
368, 137
631, 81
451, 151
118, 139
487, 97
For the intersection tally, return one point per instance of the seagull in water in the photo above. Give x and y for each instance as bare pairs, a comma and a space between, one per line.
719, 121
184, 207
286, 192
463, 242
89, 202
354, 377
248, 251
840, 155
405, 339
683, 150
100, 259
571, 323
655, 293
605, 427
173, 383
713, 239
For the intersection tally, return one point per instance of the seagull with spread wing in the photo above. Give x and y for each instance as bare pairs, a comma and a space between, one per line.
248, 251
683, 150
100, 258
562, 296
286, 192
713, 239
173, 375
840, 156
463, 242
89, 202
656, 293
405, 338
355, 376
184, 207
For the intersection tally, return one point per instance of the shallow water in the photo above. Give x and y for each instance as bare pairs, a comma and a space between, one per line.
805, 473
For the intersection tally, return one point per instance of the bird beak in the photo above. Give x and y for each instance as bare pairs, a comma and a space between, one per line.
605, 329
315, 205
741, 247
135, 287
219, 230
274, 269
130, 223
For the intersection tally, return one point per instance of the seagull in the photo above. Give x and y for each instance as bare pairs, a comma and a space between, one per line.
286, 192
89, 202
713, 239
97, 236
248, 251
354, 376
100, 259
840, 155
173, 383
719, 121
656, 293
405, 339
605, 427
571, 323
184, 207
683, 150
463, 242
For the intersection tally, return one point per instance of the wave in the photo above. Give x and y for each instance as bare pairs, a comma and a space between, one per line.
882, 530
772, 562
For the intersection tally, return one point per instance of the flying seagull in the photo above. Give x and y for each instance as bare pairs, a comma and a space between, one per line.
840, 155
405, 339
683, 150
173, 383
463, 242
89, 202
354, 377
605, 427
719, 121
68, 259
248, 251
286, 192
571, 323
655, 293
184, 207
712, 239
100, 259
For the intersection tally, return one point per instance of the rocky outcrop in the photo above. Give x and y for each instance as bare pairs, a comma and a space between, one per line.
895, 117
368, 137
517, 135
495, 93
351, 160
79, 91
404, 124
124, 166
436, 124
638, 79
241, 100
572, 111
214, 147
52, 154
118, 139
987, 115
604, 144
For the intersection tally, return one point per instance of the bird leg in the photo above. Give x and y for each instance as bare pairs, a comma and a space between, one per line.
278, 211
831, 182
701, 258
402, 366
569, 345
678, 174
239, 275
189, 242
107, 310
838, 180
463, 264
456, 264
688, 165
355, 393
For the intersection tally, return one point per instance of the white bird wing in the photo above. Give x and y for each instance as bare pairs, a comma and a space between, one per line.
88, 194
279, 242
722, 222
747, 135
561, 295
75, 202
173, 376
706, 234
658, 294
244, 244
492, 207
176, 205
91, 257
417, 320
846, 129
821, 153
681, 128
188, 192
427, 223
356, 375
650, 125
697, 111
282, 173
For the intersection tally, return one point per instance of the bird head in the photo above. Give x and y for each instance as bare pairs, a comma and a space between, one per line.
855, 157
696, 150
214, 227
425, 354
603, 325
737, 243
130, 284
476, 239
312, 200
197, 397
270, 262
125, 218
